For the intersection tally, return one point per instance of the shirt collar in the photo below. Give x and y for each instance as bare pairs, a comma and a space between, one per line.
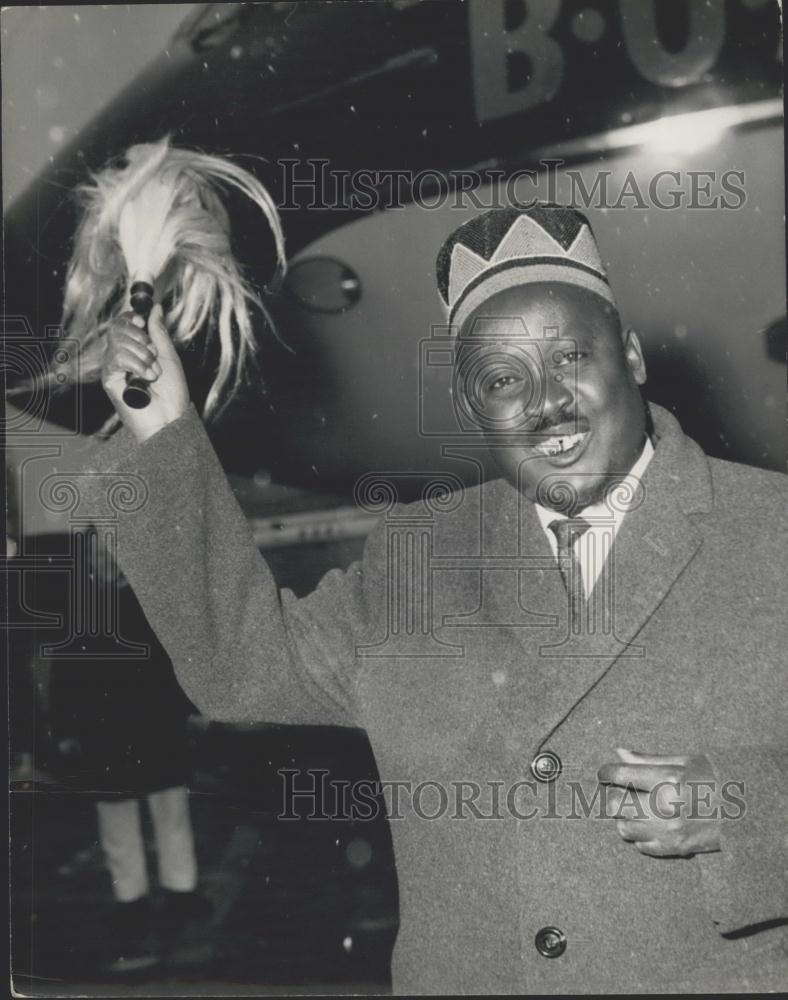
602, 510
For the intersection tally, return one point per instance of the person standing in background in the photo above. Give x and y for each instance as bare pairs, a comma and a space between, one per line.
120, 724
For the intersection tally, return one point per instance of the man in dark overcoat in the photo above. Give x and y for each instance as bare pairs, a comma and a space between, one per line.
572, 674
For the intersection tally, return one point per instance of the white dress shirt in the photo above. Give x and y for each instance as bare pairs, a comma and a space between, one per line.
593, 547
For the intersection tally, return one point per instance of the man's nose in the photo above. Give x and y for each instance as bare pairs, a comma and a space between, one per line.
558, 396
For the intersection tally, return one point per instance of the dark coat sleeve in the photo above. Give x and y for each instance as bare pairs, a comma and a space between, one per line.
240, 650
746, 882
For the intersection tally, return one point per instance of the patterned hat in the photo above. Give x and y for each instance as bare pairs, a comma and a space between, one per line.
511, 246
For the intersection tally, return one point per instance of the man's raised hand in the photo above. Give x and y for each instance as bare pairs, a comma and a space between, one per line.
153, 358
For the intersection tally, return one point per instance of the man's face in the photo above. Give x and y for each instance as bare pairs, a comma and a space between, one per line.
546, 373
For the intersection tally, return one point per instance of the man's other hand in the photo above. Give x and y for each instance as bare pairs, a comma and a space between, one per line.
666, 806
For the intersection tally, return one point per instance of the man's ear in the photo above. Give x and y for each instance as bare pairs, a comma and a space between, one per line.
633, 353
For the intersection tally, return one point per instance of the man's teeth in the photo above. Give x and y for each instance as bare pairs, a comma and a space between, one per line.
557, 445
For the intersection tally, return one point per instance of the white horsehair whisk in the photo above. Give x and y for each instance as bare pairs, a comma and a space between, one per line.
155, 228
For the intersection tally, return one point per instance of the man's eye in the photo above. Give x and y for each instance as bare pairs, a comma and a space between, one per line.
503, 382
567, 357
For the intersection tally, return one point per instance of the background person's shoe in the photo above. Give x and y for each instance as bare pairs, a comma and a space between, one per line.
178, 909
130, 948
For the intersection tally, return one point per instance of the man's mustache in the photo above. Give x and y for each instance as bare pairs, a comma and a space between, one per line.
579, 423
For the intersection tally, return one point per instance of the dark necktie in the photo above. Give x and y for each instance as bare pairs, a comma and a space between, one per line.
567, 531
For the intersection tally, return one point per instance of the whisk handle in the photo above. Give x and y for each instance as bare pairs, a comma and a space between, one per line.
137, 391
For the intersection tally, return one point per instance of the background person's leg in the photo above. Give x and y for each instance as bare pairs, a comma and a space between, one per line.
120, 833
172, 829
182, 903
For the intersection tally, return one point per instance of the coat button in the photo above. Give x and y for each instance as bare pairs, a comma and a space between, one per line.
546, 766
550, 942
